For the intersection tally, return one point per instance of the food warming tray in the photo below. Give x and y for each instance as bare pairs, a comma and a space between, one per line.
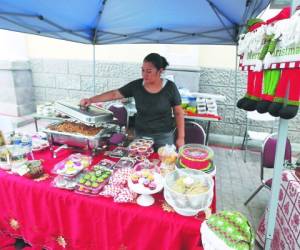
92, 115
92, 143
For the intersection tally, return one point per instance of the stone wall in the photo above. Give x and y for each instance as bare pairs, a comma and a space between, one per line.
16, 90
64, 79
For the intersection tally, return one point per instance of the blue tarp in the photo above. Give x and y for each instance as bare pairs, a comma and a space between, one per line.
131, 21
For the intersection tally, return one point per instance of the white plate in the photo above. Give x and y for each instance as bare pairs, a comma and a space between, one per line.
140, 189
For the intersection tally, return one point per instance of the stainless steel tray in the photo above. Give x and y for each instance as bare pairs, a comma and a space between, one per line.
93, 115
91, 143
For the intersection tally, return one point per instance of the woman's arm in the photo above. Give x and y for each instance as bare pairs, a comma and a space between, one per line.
107, 96
179, 118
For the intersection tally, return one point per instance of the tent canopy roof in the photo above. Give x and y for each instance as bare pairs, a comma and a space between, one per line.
131, 21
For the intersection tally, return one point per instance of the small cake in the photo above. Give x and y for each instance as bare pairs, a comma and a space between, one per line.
195, 156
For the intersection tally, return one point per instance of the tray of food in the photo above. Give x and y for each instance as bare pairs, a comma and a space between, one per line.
91, 182
78, 134
72, 165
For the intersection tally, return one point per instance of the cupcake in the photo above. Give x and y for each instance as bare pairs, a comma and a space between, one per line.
134, 178
152, 185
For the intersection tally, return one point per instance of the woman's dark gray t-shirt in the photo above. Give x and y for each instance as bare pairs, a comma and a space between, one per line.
154, 110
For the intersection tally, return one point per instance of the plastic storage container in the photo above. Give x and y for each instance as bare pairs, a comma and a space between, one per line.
188, 192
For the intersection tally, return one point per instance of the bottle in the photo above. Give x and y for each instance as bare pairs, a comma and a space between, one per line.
26, 142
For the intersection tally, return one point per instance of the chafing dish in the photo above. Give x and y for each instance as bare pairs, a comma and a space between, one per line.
92, 143
90, 119
92, 115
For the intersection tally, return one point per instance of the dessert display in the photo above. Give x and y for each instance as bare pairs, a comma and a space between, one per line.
125, 162
118, 188
144, 177
72, 165
75, 127
196, 156
188, 191
91, 182
145, 182
140, 149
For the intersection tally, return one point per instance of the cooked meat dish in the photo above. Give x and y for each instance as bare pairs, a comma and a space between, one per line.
77, 128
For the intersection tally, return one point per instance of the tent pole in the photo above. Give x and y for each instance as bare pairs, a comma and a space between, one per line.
279, 163
235, 95
94, 69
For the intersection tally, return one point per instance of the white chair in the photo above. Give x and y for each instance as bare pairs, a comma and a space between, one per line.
255, 135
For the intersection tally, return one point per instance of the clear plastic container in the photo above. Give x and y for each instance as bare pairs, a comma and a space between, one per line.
72, 165
12, 156
188, 192
91, 182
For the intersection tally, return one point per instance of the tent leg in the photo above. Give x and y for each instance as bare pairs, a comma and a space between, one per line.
235, 94
94, 69
279, 162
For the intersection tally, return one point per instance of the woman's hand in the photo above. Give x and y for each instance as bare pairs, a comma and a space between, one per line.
85, 102
179, 142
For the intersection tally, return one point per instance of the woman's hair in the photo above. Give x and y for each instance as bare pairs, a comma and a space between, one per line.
157, 60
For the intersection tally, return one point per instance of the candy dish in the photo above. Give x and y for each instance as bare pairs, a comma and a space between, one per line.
145, 188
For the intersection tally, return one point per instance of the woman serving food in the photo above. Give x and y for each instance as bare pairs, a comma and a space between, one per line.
155, 98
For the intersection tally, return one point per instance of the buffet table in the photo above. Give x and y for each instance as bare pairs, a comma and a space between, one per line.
287, 227
52, 218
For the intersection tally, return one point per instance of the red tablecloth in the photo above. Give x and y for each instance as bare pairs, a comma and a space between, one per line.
287, 228
45, 216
